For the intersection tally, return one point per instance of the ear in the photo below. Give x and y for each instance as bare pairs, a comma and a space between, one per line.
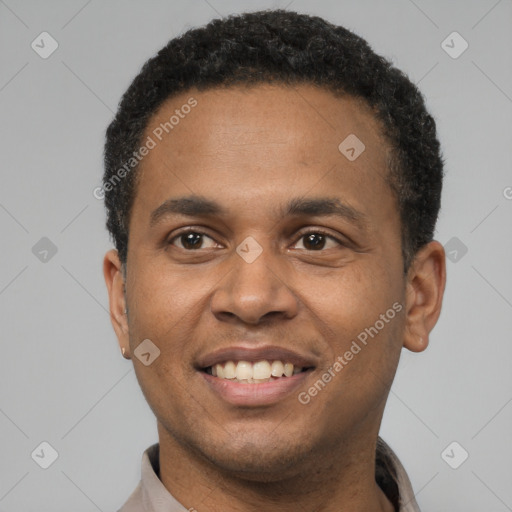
426, 281
114, 279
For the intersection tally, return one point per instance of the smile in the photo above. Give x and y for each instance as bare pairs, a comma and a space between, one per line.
254, 376
258, 372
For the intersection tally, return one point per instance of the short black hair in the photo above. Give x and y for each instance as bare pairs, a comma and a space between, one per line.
284, 47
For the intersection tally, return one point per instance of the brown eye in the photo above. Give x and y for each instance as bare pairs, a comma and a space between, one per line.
317, 240
190, 240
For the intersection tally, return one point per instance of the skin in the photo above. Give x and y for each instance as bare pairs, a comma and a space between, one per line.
252, 150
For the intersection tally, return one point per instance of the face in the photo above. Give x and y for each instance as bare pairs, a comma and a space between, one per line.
255, 244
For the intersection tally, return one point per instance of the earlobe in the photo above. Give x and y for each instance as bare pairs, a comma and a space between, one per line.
424, 295
114, 279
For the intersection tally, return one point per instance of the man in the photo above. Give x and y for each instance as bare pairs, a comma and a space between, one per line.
272, 189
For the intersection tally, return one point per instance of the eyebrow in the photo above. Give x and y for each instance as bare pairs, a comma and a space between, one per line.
195, 206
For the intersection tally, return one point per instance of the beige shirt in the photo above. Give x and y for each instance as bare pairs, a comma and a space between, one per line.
150, 494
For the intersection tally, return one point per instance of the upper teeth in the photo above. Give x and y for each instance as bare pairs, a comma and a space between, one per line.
260, 371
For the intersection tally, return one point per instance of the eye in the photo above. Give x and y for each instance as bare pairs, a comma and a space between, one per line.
317, 240
314, 240
191, 240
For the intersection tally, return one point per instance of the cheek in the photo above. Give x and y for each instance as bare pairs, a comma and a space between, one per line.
365, 353
163, 298
167, 307
364, 312
357, 297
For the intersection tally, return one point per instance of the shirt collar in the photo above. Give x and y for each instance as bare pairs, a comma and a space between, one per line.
151, 495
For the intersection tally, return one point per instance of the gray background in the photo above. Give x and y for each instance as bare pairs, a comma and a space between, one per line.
63, 379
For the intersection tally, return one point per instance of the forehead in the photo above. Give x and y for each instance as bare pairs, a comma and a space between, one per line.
270, 113
263, 141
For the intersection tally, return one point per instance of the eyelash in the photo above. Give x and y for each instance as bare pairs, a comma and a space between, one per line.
302, 235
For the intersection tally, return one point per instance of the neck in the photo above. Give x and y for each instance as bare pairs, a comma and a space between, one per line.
342, 480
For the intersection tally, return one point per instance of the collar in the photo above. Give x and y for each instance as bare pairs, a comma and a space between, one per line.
151, 495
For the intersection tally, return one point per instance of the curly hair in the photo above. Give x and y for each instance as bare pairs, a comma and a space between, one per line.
284, 47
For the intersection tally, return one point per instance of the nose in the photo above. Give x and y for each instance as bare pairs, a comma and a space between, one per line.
255, 292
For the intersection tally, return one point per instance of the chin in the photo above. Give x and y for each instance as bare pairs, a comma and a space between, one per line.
257, 462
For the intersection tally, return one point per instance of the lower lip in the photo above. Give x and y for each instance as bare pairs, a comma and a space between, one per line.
264, 393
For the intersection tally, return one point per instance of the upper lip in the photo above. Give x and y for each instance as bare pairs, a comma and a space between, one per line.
253, 354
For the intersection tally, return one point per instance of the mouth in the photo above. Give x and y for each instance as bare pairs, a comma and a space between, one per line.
255, 377
259, 372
